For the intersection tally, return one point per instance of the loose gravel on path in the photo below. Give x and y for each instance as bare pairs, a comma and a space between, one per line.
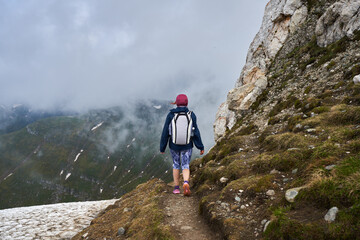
183, 217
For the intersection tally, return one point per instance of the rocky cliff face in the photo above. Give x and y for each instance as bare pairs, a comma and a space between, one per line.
281, 23
286, 161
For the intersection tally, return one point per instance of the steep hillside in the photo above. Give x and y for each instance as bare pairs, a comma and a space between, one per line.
288, 148
137, 215
99, 155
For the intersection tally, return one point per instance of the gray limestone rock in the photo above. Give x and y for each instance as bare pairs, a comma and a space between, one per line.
121, 231
224, 119
330, 167
266, 225
270, 192
331, 214
127, 209
274, 171
356, 79
310, 130
339, 20
224, 180
280, 19
264, 221
290, 194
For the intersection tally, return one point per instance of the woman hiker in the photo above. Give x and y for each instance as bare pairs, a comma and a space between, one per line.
181, 132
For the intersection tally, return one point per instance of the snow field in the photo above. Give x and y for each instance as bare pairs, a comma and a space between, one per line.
54, 221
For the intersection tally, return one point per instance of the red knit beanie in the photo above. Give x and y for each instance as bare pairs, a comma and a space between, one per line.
181, 100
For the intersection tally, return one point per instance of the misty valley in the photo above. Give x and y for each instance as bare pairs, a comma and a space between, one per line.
50, 157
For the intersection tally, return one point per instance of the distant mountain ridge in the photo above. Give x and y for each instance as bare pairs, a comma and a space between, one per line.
15, 117
98, 155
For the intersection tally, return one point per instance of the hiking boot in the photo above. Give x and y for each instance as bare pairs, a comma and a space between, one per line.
186, 188
176, 191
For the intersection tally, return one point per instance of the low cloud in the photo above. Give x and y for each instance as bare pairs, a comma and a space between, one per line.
80, 54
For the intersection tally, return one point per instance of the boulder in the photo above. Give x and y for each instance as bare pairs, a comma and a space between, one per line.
224, 180
270, 192
121, 231
331, 214
290, 194
356, 79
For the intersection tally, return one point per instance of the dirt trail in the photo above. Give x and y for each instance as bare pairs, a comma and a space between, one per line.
183, 217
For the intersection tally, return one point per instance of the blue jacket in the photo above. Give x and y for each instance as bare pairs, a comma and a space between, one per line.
165, 136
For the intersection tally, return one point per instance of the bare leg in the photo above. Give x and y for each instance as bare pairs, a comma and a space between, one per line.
186, 187
176, 176
186, 174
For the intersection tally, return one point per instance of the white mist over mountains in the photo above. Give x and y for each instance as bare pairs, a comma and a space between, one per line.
79, 55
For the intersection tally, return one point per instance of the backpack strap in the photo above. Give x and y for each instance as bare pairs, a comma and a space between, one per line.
190, 126
173, 128
188, 114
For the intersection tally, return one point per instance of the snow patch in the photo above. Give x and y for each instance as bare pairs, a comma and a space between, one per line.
61, 173
67, 176
54, 221
133, 140
115, 167
8, 176
101, 190
97, 126
78, 155
30, 131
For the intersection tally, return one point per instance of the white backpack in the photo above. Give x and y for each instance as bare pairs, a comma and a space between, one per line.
181, 128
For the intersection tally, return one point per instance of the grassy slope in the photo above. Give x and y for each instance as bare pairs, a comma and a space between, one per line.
138, 212
37, 154
315, 125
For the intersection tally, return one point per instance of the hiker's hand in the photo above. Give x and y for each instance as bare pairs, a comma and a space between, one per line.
162, 152
201, 152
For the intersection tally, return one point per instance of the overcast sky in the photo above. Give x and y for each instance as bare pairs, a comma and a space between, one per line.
86, 54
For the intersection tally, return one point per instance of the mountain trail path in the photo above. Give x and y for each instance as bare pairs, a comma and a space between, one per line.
182, 215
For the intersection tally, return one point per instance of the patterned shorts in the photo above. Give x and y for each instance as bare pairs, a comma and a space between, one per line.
181, 158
